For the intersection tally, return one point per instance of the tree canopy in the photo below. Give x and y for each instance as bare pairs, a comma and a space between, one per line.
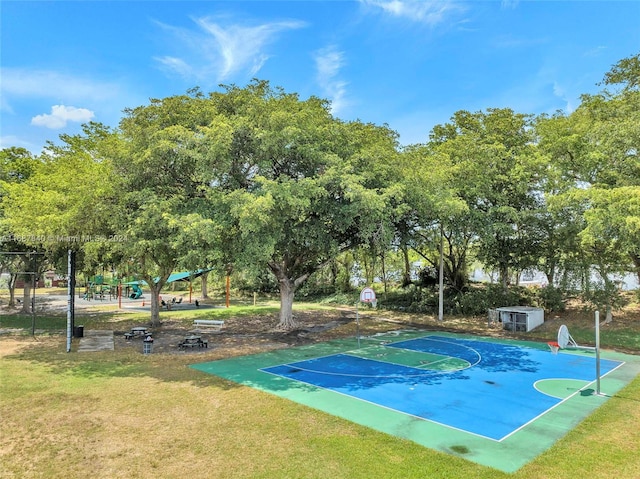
257, 179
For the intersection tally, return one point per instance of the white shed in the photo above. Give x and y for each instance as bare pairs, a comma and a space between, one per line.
520, 318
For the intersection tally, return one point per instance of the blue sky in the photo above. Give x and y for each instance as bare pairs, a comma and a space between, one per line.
408, 63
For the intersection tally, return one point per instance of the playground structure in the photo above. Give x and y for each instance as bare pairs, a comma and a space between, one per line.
97, 289
134, 288
136, 292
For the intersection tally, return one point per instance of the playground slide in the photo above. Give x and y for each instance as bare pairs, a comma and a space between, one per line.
136, 292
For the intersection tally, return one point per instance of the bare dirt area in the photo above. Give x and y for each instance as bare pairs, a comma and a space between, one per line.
253, 334
257, 333
12, 345
247, 334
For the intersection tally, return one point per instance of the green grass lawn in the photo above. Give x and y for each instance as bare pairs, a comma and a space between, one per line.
121, 414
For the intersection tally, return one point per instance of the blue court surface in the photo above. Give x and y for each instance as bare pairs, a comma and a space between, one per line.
472, 397
490, 399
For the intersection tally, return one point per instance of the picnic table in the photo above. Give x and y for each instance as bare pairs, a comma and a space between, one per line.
139, 331
193, 341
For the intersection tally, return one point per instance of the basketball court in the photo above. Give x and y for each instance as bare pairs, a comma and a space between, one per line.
495, 402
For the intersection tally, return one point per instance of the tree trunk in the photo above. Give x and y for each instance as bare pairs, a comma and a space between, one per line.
155, 304
334, 269
344, 280
504, 276
517, 278
288, 289
205, 292
550, 272
406, 275
636, 263
457, 273
384, 272
227, 286
365, 264
26, 297
287, 294
155, 299
12, 289
609, 315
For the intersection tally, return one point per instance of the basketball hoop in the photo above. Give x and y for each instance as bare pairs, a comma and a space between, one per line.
367, 295
555, 347
565, 339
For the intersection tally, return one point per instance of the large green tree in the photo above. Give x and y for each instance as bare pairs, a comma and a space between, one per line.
69, 196
17, 165
65, 202
429, 211
594, 181
614, 158
165, 210
301, 186
497, 173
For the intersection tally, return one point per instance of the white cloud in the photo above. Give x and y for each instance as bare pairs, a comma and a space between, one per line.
9, 141
60, 115
22, 82
4, 105
509, 3
595, 52
222, 51
560, 92
177, 65
329, 61
430, 12
24, 89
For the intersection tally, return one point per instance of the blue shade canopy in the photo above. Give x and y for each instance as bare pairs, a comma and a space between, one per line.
183, 276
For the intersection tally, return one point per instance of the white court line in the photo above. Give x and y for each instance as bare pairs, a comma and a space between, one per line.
353, 353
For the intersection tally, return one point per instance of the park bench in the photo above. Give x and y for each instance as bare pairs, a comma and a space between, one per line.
212, 324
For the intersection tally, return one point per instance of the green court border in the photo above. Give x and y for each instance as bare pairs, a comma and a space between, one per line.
508, 455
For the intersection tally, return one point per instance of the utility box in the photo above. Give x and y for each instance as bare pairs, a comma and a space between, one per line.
520, 318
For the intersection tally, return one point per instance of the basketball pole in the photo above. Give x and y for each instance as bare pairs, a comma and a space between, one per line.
565, 339
358, 324
441, 277
70, 293
598, 353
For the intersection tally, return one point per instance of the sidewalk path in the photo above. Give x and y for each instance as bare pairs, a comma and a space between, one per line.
96, 340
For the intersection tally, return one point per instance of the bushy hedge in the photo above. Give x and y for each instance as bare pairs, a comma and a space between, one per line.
475, 301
